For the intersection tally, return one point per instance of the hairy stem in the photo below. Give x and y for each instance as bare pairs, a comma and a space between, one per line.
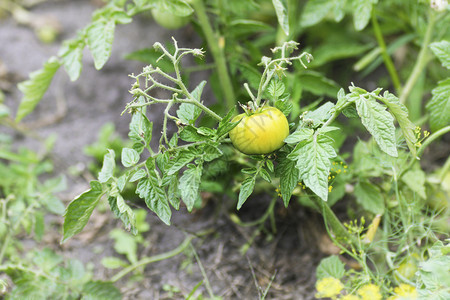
152, 259
421, 61
386, 58
217, 53
202, 270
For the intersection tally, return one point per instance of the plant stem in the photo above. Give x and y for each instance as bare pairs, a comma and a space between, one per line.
5, 245
421, 60
155, 258
386, 58
202, 270
261, 220
217, 53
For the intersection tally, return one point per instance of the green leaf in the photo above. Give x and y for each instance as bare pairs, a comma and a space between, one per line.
100, 33
319, 115
154, 196
111, 262
330, 267
140, 128
433, 275
197, 92
211, 152
289, 177
182, 159
317, 84
100, 36
123, 211
439, 106
265, 175
300, 134
173, 193
243, 27
129, 157
362, 10
335, 49
35, 87
415, 180
125, 244
276, 88
188, 113
189, 185
246, 190
100, 290
80, 209
369, 197
379, 123
71, 54
109, 164
138, 175
225, 125
315, 11
282, 14
192, 134
400, 113
285, 105
442, 51
251, 75
313, 161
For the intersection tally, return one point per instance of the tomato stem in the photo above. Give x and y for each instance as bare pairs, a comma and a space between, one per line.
421, 61
387, 59
155, 258
216, 51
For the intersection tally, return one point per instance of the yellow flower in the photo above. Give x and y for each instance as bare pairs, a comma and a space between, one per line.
349, 297
328, 287
404, 292
369, 292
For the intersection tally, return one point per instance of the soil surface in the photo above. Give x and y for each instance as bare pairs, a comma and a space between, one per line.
75, 112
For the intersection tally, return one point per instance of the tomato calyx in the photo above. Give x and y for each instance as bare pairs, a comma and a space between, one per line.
251, 108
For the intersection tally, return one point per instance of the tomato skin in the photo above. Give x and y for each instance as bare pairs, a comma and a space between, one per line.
260, 133
169, 20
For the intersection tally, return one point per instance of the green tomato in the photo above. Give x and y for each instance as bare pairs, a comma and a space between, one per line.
169, 20
260, 133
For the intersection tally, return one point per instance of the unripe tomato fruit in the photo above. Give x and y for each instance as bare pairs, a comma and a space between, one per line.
169, 20
260, 133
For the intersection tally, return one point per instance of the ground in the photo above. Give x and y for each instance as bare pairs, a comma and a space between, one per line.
75, 111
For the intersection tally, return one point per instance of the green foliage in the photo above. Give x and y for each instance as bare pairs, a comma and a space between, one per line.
434, 273
439, 106
172, 169
36, 86
80, 209
330, 267
442, 51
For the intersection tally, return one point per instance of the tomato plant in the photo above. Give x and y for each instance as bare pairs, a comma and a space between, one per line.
260, 132
170, 163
